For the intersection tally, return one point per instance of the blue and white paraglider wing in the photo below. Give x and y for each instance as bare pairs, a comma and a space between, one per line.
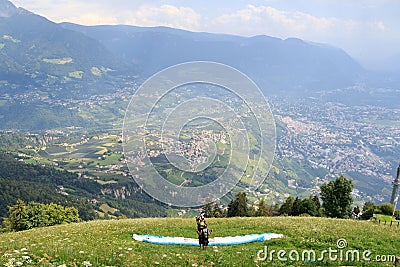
216, 241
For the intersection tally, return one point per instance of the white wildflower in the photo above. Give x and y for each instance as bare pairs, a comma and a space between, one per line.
86, 263
10, 263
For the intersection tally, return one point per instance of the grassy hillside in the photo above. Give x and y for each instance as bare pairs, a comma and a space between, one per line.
109, 243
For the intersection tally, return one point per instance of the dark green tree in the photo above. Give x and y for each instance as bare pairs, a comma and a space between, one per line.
263, 209
238, 206
304, 206
356, 211
296, 209
316, 201
208, 210
368, 210
386, 209
309, 207
287, 206
16, 220
397, 214
336, 197
275, 209
252, 211
217, 213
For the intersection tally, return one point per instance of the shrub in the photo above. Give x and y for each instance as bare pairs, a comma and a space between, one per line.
397, 214
368, 210
24, 217
386, 209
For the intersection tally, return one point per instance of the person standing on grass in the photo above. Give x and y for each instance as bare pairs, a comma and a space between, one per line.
203, 234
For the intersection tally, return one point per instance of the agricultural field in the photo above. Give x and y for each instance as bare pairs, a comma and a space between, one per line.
3, 102
97, 157
58, 61
76, 74
110, 243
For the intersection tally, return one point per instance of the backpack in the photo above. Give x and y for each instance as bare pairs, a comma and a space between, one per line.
204, 233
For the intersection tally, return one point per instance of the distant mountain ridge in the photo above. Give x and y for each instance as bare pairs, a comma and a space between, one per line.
34, 50
290, 64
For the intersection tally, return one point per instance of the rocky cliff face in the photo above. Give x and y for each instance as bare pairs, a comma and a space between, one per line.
119, 193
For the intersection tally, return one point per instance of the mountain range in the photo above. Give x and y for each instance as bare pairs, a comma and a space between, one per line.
272, 62
34, 50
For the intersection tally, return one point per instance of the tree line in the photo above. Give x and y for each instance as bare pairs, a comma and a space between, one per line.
335, 201
22, 216
35, 183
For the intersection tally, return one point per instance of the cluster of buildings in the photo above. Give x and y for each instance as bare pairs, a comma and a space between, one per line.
196, 148
338, 138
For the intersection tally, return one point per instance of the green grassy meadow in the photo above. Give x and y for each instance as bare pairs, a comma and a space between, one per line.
110, 243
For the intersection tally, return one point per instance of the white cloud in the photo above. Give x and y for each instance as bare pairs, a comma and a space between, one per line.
165, 15
93, 19
380, 25
267, 20
81, 12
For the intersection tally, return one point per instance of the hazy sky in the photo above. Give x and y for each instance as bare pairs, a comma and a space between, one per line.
369, 30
